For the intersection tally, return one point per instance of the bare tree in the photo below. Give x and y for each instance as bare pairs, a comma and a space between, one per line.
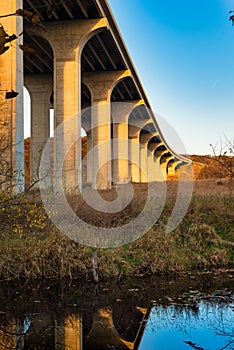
231, 18
223, 154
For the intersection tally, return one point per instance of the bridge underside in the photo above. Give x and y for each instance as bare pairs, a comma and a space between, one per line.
71, 58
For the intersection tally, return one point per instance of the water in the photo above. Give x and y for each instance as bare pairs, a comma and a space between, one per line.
210, 326
186, 312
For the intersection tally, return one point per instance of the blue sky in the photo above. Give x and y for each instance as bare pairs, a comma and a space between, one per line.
183, 52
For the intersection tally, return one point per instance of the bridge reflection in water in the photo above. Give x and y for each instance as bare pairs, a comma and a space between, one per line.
54, 316
41, 332
78, 330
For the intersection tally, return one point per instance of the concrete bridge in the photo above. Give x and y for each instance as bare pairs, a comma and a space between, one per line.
71, 57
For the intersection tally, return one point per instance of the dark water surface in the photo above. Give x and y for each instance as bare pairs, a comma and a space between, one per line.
179, 312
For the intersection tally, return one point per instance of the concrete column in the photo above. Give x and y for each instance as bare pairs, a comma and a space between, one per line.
134, 157
40, 88
144, 139
101, 85
164, 165
134, 129
67, 41
86, 162
102, 141
152, 167
89, 159
66, 107
172, 167
143, 164
121, 151
11, 110
158, 156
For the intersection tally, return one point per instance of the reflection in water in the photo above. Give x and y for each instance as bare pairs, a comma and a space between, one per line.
209, 326
141, 314
69, 335
103, 332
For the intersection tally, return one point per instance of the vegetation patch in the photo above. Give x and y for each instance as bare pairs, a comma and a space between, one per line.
31, 247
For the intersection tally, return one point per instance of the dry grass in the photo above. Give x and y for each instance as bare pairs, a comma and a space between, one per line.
31, 247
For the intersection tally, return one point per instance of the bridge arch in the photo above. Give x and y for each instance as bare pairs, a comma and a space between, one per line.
124, 89
97, 27
138, 119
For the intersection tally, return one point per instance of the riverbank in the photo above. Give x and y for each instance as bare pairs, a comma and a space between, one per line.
31, 247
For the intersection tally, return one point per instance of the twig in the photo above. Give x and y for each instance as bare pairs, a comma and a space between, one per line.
95, 268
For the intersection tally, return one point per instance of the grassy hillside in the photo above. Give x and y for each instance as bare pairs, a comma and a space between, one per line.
211, 167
